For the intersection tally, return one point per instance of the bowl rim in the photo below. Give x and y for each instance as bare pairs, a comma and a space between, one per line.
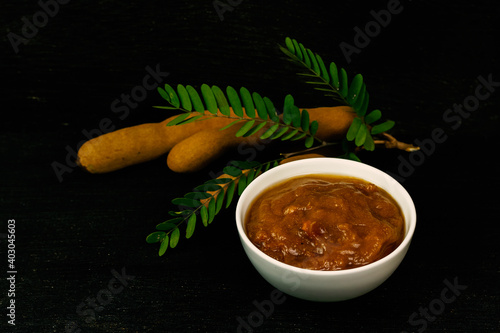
249, 191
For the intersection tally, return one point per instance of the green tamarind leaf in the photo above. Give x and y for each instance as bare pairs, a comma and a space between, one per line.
204, 215
251, 176
245, 128
230, 124
246, 97
174, 237
155, 237
298, 53
287, 109
179, 119
219, 202
270, 131
279, 133
364, 107
324, 72
235, 101
184, 97
380, 128
354, 89
260, 105
361, 135
309, 141
191, 119
313, 128
369, 144
271, 110
295, 115
242, 183
306, 60
211, 211
209, 98
186, 202
358, 104
191, 224
255, 129
289, 135
289, 45
169, 94
314, 62
334, 75
195, 99
230, 193
163, 246
353, 129
220, 181
169, 224
298, 136
373, 116
343, 83
206, 188
232, 171
199, 195
221, 101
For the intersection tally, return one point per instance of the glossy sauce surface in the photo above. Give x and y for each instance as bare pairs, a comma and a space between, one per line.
323, 222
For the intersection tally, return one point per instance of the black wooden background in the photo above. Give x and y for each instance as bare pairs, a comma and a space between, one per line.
77, 232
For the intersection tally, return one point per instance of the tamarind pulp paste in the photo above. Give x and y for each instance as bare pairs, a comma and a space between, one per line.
324, 222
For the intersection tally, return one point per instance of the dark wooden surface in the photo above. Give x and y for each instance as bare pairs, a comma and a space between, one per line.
72, 234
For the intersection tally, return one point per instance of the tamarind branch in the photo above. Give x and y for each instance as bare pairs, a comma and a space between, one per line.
392, 143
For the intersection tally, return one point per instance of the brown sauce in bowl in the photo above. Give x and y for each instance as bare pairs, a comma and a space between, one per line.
323, 222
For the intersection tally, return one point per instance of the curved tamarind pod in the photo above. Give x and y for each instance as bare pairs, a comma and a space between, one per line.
132, 145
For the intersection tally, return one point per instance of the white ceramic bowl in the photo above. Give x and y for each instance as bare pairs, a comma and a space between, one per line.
325, 286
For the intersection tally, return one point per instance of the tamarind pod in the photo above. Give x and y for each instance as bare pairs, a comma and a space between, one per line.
202, 148
137, 144
334, 122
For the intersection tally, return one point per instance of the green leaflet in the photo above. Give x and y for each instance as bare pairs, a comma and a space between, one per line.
384, 127
209, 98
246, 97
155, 237
222, 102
191, 224
260, 105
184, 98
174, 238
163, 246
235, 101
373, 116
195, 99
354, 89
